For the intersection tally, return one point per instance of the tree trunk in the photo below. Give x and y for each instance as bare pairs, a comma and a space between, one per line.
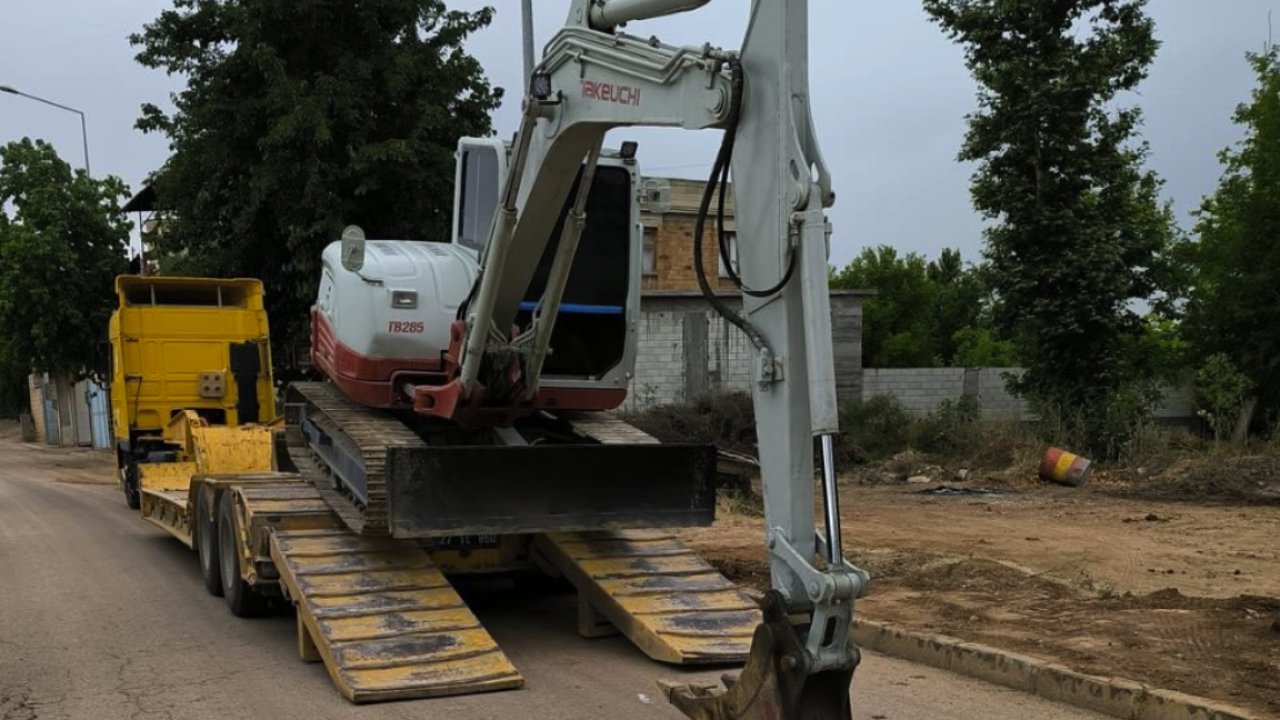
1245, 419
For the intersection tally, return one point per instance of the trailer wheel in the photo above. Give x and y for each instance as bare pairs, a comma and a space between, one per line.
242, 599
206, 527
132, 495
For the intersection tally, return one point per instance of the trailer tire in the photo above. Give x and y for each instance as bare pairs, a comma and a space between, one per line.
206, 527
132, 494
241, 598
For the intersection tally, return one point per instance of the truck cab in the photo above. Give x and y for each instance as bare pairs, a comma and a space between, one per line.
177, 344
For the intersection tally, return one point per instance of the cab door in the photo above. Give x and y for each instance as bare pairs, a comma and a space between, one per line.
480, 172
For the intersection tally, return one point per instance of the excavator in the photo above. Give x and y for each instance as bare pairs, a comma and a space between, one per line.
545, 331
463, 425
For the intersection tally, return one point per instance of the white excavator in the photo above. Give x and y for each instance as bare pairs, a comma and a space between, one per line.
496, 345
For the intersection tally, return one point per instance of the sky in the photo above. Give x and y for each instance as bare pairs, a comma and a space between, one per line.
890, 94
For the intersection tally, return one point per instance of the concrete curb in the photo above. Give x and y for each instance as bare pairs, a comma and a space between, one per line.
1109, 696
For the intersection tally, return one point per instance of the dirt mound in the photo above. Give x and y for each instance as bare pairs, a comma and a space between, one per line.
1164, 638
1240, 479
979, 576
749, 572
1173, 599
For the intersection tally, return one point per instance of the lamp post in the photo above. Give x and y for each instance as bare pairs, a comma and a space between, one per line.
84, 131
526, 25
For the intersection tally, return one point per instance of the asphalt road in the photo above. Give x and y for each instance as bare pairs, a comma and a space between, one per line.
103, 616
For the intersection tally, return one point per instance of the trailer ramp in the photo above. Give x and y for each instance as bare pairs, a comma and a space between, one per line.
384, 620
647, 585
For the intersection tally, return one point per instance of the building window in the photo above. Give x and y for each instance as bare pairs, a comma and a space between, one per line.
731, 239
649, 252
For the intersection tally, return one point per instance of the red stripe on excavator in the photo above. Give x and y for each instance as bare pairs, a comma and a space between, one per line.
368, 381
372, 382
348, 362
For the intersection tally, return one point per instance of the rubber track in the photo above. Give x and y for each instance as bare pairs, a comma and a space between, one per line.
371, 431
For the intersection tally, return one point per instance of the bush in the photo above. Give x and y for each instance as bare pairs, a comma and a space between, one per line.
952, 427
1220, 394
874, 429
726, 420
870, 431
1102, 429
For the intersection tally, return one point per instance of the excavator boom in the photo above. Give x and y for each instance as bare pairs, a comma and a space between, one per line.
593, 78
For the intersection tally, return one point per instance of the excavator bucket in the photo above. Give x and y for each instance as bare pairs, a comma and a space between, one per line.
777, 682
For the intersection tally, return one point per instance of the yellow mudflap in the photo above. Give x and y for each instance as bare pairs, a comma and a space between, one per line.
384, 619
668, 601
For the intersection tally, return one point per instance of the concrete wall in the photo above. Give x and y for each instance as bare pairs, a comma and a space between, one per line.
918, 389
685, 349
996, 402
923, 389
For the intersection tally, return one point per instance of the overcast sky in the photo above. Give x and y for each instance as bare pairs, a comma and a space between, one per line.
889, 93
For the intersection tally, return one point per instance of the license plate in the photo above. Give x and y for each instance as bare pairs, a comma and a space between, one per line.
463, 542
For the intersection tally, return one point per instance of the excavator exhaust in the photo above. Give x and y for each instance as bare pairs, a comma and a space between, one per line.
777, 682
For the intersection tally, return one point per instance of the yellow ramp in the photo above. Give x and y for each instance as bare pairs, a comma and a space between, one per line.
668, 601
384, 619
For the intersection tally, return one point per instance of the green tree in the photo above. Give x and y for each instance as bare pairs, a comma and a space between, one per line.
921, 309
1077, 231
301, 116
960, 304
897, 322
1234, 262
63, 240
978, 346
1163, 349
1221, 392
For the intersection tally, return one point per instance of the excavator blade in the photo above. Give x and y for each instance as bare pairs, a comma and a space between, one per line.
776, 683
487, 489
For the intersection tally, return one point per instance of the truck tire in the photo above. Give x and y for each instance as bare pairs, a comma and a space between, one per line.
241, 598
206, 528
132, 495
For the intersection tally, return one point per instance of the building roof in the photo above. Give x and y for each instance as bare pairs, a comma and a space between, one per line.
685, 195
144, 201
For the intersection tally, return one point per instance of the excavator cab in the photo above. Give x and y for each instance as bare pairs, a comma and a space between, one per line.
384, 331
593, 341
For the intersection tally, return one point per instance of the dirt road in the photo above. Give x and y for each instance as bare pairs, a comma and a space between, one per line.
104, 617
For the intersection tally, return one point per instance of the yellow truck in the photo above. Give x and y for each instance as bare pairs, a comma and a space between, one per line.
184, 345
203, 454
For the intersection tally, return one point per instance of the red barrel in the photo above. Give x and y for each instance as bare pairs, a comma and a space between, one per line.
1064, 468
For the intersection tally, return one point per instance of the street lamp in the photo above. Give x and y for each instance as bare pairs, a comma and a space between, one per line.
84, 132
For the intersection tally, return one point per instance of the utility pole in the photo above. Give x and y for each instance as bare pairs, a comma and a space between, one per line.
527, 22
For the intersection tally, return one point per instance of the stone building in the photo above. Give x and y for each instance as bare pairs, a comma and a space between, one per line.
685, 348
667, 259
